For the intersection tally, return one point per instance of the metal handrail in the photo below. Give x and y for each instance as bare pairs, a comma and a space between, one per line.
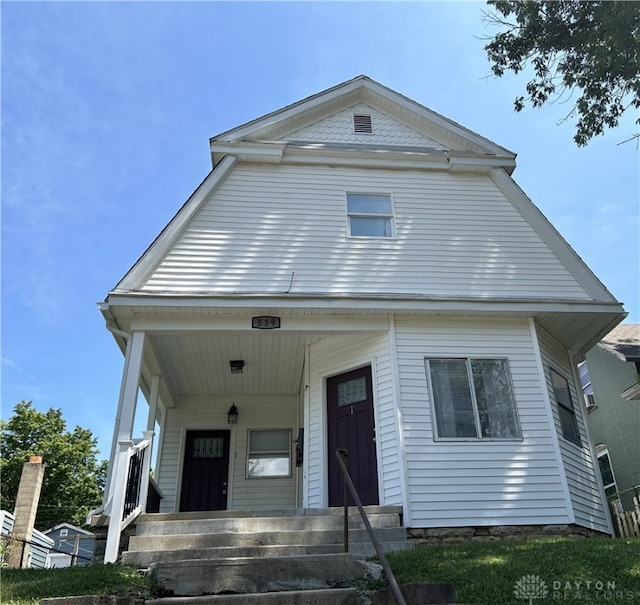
348, 483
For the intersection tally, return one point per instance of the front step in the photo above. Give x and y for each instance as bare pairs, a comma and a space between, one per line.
251, 553
266, 574
231, 534
330, 596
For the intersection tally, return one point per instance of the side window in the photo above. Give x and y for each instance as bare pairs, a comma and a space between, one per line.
568, 420
269, 453
608, 478
473, 398
370, 215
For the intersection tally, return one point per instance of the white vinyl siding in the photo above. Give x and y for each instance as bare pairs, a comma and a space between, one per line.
278, 229
462, 483
211, 413
340, 354
580, 467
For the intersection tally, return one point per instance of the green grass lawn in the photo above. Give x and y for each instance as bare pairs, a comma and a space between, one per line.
28, 586
573, 571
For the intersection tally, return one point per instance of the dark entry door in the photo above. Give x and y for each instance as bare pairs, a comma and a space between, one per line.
351, 427
205, 474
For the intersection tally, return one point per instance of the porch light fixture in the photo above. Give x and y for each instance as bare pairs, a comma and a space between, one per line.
232, 414
236, 366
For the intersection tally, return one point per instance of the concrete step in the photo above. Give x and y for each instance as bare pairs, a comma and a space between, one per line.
268, 538
414, 594
237, 525
330, 596
260, 575
144, 558
280, 512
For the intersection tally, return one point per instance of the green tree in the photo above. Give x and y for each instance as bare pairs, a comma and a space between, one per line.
73, 478
588, 50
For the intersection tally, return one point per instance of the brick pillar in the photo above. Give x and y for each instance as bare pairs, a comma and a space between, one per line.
25, 512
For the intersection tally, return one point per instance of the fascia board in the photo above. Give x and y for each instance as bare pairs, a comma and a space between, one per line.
480, 163
163, 243
436, 118
565, 253
271, 150
365, 158
607, 348
290, 111
445, 305
632, 393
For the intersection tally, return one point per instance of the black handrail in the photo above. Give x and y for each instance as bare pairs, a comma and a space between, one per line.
348, 484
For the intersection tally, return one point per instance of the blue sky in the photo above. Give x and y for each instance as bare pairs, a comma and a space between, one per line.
107, 109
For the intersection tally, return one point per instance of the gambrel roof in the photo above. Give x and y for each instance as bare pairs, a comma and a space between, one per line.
266, 226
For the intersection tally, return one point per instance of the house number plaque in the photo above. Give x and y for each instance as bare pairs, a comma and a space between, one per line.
265, 322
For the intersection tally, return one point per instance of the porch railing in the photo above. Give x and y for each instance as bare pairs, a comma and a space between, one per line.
130, 488
349, 488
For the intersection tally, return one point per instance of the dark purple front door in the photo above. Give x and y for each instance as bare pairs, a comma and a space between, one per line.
205, 473
351, 427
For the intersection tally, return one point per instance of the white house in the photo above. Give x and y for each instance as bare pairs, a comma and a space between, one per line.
359, 272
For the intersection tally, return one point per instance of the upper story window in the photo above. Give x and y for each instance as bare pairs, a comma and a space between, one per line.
587, 388
473, 398
370, 215
566, 411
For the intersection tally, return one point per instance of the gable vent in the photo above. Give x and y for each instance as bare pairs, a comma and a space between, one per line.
362, 123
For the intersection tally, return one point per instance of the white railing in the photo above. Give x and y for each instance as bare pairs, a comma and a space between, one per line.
130, 488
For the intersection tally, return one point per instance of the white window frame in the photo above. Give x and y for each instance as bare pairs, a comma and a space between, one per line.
601, 453
571, 409
474, 402
281, 454
390, 216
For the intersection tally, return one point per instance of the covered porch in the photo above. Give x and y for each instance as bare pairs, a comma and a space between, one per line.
212, 409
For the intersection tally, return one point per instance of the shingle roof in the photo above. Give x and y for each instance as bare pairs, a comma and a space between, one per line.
623, 342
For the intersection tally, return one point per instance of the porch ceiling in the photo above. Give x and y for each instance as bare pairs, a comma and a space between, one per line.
197, 364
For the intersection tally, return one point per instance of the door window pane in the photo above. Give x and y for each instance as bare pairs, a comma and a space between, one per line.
208, 447
352, 391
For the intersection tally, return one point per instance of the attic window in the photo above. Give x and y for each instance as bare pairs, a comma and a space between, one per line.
362, 123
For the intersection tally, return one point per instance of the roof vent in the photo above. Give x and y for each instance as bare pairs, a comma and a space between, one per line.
362, 123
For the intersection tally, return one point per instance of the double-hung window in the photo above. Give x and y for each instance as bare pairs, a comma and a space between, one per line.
472, 398
269, 453
370, 215
566, 411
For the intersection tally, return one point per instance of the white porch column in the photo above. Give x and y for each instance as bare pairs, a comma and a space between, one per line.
153, 402
130, 385
125, 415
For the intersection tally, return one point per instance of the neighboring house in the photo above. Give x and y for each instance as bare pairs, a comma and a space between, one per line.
612, 392
72, 545
359, 272
40, 543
